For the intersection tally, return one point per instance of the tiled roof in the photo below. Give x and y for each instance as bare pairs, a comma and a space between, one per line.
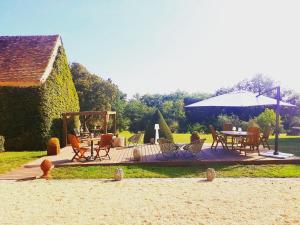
27, 60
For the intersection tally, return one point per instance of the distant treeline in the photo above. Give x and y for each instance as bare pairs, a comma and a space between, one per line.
95, 93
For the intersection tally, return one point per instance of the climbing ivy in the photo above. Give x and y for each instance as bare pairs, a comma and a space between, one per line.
31, 115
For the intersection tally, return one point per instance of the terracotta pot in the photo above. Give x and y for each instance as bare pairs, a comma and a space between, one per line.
46, 166
210, 174
53, 147
136, 154
119, 174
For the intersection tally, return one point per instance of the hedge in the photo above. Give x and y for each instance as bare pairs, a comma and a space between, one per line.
30, 116
164, 130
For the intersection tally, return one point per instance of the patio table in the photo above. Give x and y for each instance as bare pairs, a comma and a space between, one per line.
91, 140
234, 134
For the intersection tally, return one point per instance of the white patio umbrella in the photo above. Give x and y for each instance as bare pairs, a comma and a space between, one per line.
238, 99
246, 99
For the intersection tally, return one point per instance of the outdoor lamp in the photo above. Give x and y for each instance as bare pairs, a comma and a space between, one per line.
156, 128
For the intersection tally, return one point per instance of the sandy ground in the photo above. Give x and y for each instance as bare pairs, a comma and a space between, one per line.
151, 201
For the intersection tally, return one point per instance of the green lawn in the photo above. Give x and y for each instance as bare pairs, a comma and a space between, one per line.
144, 171
11, 160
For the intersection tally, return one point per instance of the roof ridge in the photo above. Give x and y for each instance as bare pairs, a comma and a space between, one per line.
38, 35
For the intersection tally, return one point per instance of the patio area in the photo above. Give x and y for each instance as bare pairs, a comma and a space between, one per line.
150, 154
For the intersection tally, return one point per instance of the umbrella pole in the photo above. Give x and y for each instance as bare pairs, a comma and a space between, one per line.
277, 120
278, 98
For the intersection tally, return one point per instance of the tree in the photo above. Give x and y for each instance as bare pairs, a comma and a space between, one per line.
257, 84
164, 130
94, 92
137, 113
119, 105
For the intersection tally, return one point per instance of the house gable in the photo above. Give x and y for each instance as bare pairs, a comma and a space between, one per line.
27, 60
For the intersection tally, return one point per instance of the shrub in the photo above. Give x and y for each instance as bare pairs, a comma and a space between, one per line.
198, 128
164, 130
233, 119
267, 118
30, 116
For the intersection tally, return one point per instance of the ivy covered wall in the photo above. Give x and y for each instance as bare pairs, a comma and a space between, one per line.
30, 116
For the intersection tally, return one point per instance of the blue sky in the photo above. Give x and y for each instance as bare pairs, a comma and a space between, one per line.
160, 46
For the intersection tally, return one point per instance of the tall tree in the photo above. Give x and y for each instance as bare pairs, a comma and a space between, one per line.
137, 113
257, 84
94, 92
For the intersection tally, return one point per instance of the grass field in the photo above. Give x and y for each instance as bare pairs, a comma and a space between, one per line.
287, 144
143, 171
11, 160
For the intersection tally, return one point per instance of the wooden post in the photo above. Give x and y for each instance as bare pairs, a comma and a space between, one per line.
105, 121
65, 130
115, 123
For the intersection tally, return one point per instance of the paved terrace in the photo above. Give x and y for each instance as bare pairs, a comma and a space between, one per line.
124, 156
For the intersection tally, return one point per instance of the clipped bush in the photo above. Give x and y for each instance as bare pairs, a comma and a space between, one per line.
53, 147
2, 141
164, 130
31, 115
194, 136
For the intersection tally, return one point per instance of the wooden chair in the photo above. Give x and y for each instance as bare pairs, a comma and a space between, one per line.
104, 144
194, 147
227, 126
135, 139
167, 148
252, 140
79, 152
264, 138
217, 138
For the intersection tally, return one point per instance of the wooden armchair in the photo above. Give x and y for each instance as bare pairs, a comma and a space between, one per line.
217, 138
227, 126
167, 148
264, 138
252, 140
135, 139
104, 144
194, 147
79, 152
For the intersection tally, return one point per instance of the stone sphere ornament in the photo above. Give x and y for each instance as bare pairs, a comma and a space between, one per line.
46, 166
119, 174
210, 174
136, 154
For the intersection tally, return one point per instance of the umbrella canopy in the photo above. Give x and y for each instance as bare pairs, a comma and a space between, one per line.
238, 99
